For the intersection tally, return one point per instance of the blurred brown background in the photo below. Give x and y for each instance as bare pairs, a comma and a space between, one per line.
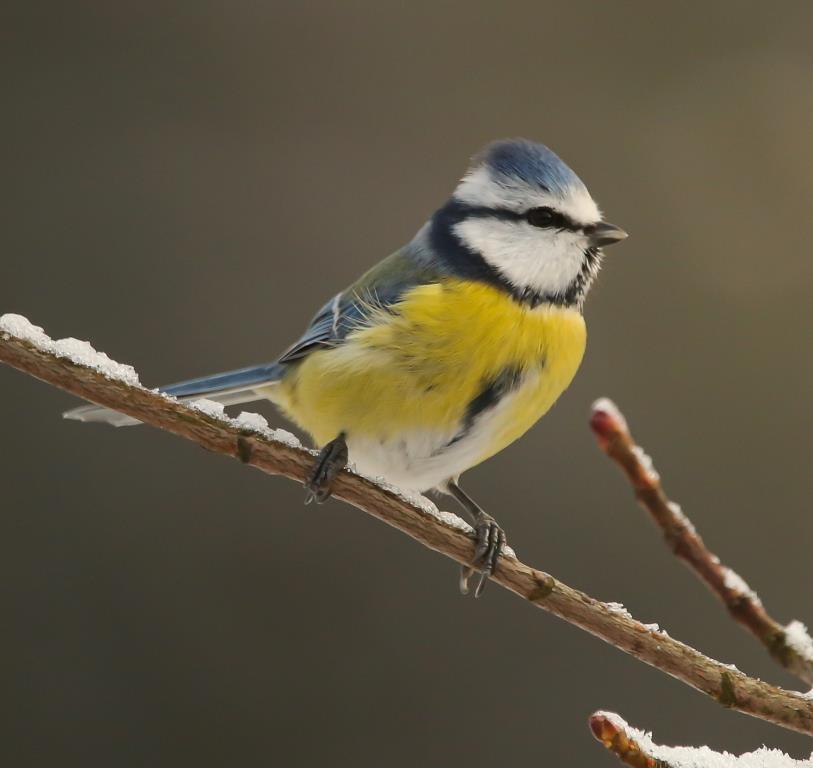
184, 182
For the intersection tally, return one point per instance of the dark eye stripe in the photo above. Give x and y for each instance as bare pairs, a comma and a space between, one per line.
548, 218
483, 212
557, 220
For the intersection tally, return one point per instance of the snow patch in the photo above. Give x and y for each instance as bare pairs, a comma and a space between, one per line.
79, 352
209, 408
427, 506
247, 422
255, 422
703, 757
619, 609
798, 639
286, 438
680, 517
645, 461
252, 422
605, 405
733, 581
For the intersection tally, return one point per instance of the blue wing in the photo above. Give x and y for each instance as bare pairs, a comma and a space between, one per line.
330, 326
379, 289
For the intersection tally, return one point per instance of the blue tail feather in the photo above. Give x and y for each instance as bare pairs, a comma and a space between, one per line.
243, 378
229, 388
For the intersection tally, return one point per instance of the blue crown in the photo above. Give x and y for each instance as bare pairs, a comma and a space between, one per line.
536, 165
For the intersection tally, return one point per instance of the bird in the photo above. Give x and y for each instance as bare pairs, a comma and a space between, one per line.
447, 350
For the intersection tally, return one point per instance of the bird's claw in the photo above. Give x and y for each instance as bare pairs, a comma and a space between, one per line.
330, 461
490, 540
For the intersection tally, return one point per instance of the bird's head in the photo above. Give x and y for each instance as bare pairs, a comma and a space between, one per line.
521, 217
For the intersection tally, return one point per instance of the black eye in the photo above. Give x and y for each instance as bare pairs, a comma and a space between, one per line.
545, 217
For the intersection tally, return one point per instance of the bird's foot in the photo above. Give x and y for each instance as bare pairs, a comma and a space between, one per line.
490, 540
331, 460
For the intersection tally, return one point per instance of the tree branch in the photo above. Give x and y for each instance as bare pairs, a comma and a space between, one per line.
793, 649
726, 685
636, 749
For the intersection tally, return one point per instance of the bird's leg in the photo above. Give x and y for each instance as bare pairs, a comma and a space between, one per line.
490, 540
331, 460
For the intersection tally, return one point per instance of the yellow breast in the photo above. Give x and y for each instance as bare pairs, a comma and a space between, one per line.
420, 365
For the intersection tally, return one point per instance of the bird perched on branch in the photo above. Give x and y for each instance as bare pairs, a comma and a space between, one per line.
447, 350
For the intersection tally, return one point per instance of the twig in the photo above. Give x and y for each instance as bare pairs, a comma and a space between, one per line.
636, 749
726, 685
744, 605
613, 733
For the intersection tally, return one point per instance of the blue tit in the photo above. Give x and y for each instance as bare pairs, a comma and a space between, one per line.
449, 349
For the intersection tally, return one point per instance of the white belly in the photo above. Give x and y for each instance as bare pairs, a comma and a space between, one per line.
425, 459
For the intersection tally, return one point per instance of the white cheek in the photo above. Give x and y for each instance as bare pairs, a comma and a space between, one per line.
528, 257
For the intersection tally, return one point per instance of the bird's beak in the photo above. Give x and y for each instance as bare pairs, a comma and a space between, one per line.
604, 234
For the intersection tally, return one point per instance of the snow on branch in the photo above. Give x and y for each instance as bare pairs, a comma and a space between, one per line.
275, 453
637, 749
790, 645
